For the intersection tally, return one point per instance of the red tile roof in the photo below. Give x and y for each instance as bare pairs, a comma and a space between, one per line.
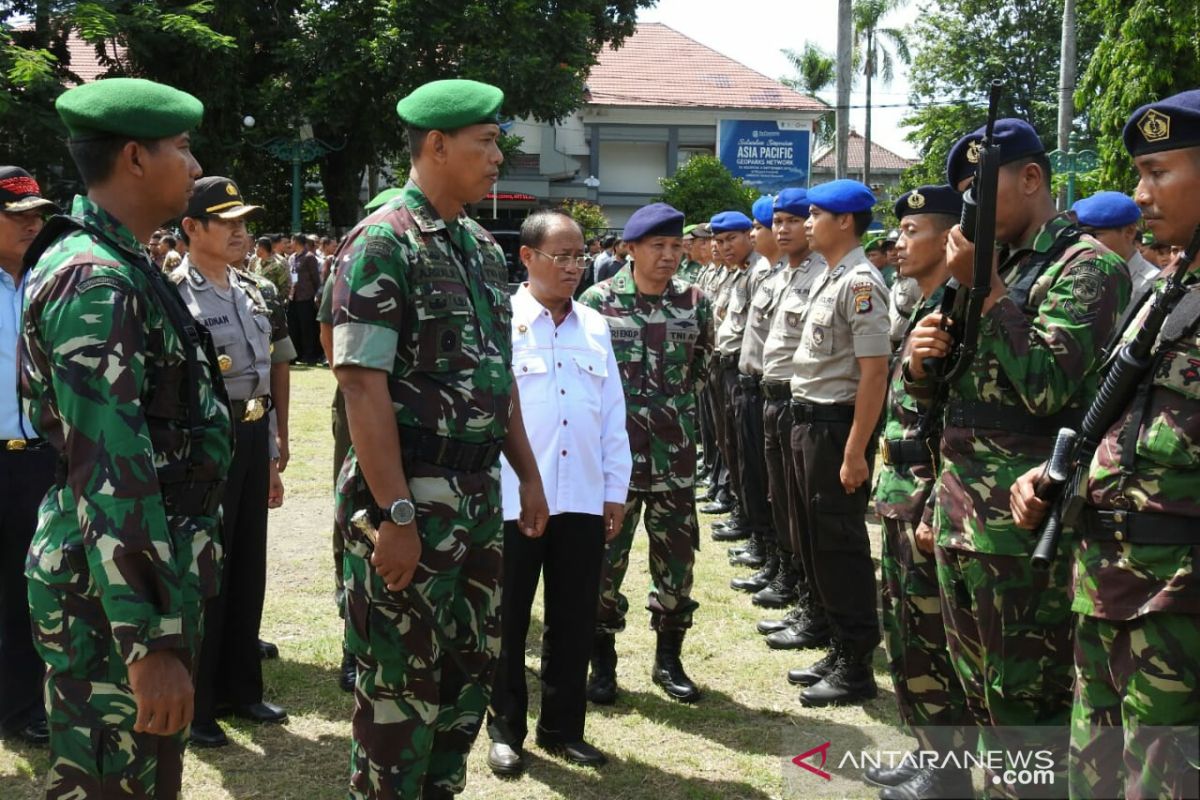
881, 157
84, 62
646, 71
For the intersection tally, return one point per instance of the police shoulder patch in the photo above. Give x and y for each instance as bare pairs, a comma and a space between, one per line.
862, 302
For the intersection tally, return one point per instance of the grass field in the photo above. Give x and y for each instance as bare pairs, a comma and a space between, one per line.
733, 744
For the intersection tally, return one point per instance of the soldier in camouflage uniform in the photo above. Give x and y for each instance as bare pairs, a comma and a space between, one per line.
691, 267
126, 388
662, 337
422, 352
1054, 300
274, 268
928, 692
1137, 594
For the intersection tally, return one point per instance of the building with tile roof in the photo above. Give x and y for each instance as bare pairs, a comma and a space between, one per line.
886, 166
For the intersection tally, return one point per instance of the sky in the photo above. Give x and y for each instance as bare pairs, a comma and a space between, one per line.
755, 33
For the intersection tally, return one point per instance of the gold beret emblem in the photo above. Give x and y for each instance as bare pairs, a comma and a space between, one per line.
230, 190
916, 200
1155, 126
973, 152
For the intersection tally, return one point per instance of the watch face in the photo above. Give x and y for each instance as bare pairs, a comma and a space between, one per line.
403, 512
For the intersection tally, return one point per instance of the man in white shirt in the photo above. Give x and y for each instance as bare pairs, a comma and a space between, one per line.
571, 391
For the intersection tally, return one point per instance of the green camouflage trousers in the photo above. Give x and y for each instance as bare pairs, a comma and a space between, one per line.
94, 751
928, 692
341, 445
1137, 707
671, 524
415, 714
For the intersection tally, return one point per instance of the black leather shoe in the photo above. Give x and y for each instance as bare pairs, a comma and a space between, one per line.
207, 734
794, 615
36, 733
580, 753
932, 784
504, 760
849, 682
801, 636
780, 592
731, 534
715, 507
261, 712
757, 581
349, 672
266, 650
807, 676
903, 772
668, 670
602, 683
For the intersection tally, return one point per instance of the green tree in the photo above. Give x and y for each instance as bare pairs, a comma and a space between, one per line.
589, 216
959, 48
703, 187
1152, 45
815, 71
876, 49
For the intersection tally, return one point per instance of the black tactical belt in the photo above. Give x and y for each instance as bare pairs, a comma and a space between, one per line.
811, 412
440, 451
251, 410
749, 381
728, 360
1013, 419
777, 390
1138, 527
21, 445
200, 499
907, 451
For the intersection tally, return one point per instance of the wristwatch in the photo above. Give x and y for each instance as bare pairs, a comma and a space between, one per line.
401, 512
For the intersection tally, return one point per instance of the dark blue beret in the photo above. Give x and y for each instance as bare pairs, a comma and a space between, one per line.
1016, 137
1106, 210
656, 219
1169, 124
792, 201
842, 196
763, 209
929, 200
730, 221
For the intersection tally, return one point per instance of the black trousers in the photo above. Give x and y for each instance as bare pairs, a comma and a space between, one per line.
706, 429
25, 476
728, 426
302, 325
752, 465
777, 454
836, 552
570, 554
230, 668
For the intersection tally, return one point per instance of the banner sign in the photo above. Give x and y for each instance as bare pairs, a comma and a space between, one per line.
767, 155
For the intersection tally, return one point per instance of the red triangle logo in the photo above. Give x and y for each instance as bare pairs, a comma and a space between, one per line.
802, 760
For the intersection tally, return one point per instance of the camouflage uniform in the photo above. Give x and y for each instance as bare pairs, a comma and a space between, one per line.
1139, 604
1008, 628
689, 271
928, 691
661, 345
124, 554
341, 444
425, 300
274, 269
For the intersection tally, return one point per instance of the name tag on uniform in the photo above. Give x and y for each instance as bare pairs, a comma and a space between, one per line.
624, 328
682, 330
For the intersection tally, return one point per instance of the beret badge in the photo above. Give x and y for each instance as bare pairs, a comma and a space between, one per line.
1155, 126
916, 200
973, 151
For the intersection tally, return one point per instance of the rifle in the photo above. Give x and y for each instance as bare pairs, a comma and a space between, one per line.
1129, 369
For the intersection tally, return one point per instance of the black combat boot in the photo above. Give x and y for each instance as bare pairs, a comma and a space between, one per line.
668, 669
851, 681
602, 684
905, 770
814, 673
932, 784
781, 591
796, 613
811, 630
762, 579
753, 555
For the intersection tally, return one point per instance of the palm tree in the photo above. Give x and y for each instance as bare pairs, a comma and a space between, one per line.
815, 71
876, 49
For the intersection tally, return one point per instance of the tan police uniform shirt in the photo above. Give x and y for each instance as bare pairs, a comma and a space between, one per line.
787, 323
846, 319
737, 312
758, 324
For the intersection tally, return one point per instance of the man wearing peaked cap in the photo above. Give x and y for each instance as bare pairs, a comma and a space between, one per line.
249, 333
1113, 219
143, 461
1053, 302
26, 469
661, 337
1136, 549
839, 378
928, 692
422, 351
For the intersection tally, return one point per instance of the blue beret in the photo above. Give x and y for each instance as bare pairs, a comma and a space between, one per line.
1169, 124
730, 221
1016, 138
842, 197
1106, 210
929, 200
792, 201
656, 219
763, 209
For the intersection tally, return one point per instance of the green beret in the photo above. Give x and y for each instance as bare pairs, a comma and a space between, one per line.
451, 104
381, 198
132, 107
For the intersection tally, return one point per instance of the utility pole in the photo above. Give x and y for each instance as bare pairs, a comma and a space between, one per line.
1066, 81
842, 114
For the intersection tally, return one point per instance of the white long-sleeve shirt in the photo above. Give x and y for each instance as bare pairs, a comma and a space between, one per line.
573, 406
